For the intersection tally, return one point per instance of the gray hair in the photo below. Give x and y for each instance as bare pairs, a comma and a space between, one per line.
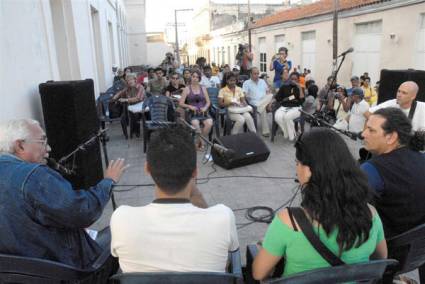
13, 130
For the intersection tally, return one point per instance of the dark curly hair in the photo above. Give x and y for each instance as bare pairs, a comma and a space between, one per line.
397, 121
337, 193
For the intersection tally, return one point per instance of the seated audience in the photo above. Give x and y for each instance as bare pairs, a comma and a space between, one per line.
171, 233
406, 101
195, 98
397, 170
290, 98
209, 81
131, 95
232, 97
334, 195
42, 215
175, 87
258, 93
157, 86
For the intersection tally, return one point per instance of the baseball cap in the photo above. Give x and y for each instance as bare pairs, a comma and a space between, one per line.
357, 92
355, 78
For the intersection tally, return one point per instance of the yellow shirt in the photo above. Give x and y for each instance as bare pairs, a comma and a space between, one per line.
230, 97
370, 95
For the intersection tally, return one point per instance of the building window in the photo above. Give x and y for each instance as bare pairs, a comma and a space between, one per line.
263, 54
279, 41
308, 49
367, 49
420, 44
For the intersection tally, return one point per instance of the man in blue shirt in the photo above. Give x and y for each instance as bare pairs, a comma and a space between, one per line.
42, 216
258, 94
396, 172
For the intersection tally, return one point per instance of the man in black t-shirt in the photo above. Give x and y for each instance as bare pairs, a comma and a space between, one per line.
175, 87
396, 172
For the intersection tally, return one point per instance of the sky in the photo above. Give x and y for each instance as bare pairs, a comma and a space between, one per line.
160, 13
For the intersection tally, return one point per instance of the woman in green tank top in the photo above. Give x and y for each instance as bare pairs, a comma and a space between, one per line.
334, 196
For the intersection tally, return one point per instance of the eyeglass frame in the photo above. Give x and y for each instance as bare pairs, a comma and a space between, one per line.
43, 142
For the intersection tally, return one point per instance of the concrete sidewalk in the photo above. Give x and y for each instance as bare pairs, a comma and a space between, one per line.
270, 183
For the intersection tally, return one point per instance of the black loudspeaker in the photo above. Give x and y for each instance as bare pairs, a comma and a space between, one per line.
247, 149
70, 119
391, 79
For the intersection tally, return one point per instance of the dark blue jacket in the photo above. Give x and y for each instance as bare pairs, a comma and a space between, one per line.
43, 217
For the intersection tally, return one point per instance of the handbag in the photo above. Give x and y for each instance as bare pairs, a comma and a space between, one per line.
238, 109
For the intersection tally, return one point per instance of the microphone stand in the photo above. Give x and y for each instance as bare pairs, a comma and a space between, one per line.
220, 148
349, 134
99, 136
335, 74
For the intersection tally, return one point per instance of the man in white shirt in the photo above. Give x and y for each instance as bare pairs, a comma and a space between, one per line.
406, 101
171, 234
258, 94
355, 120
209, 81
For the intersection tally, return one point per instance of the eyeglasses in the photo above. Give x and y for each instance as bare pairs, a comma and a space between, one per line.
175, 78
43, 142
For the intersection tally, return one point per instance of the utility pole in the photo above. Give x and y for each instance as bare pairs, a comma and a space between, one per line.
335, 30
177, 33
249, 25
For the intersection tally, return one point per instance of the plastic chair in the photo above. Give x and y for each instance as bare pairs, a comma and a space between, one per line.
409, 249
233, 276
26, 270
161, 115
216, 111
366, 272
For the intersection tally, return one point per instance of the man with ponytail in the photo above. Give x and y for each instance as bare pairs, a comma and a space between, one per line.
397, 170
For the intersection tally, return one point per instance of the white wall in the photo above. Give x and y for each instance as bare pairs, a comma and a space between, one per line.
136, 31
53, 40
27, 56
156, 52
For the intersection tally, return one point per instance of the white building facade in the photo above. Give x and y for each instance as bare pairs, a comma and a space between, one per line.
384, 35
58, 40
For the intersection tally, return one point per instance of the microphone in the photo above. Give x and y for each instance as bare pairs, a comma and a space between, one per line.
58, 167
355, 135
228, 153
346, 52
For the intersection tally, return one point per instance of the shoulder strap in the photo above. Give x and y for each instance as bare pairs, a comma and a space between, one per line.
412, 111
314, 240
291, 217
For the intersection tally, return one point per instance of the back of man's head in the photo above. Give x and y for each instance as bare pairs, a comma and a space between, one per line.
171, 159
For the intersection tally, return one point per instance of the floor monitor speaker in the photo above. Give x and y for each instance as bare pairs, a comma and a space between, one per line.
247, 149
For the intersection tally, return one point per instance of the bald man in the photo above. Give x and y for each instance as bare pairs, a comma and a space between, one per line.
406, 101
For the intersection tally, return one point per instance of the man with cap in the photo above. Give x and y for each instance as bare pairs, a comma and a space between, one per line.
356, 117
355, 83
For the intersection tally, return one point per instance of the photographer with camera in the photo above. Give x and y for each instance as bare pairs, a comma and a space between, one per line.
169, 63
278, 64
290, 97
355, 120
244, 59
